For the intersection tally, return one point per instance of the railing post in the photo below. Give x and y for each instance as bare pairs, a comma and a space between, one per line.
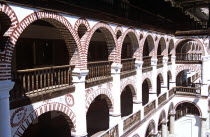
138, 101
115, 116
79, 98
5, 127
153, 94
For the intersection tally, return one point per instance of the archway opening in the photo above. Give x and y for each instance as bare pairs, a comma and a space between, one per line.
159, 83
147, 51
162, 119
98, 116
160, 51
186, 108
50, 124
126, 102
169, 78
145, 91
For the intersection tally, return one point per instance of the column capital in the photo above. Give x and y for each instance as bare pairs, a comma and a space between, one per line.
173, 58
116, 68
138, 64
79, 75
154, 62
165, 60
172, 113
6, 86
114, 114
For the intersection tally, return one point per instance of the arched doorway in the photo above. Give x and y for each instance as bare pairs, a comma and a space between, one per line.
162, 118
146, 87
160, 51
98, 115
147, 51
159, 83
169, 78
50, 124
126, 101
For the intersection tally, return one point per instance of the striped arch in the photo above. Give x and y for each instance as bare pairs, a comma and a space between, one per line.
162, 43
170, 48
83, 23
133, 90
187, 101
149, 38
182, 41
192, 67
55, 106
151, 126
101, 91
161, 78
71, 38
110, 39
149, 83
131, 33
4, 8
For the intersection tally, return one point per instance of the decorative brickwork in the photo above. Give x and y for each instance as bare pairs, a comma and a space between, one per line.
100, 91
192, 67
55, 106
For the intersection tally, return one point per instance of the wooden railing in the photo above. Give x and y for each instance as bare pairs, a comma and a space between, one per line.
160, 59
37, 81
112, 132
169, 59
161, 99
99, 69
147, 61
150, 107
128, 64
187, 90
127, 123
171, 92
188, 57
186, 110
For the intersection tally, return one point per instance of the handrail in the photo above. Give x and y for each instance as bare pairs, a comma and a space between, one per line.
128, 64
188, 56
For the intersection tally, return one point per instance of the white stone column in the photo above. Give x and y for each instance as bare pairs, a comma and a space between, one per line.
79, 105
153, 93
5, 127
138, 100
172, 120
115, 116
164, 129
173, 72
205, 74
203, 127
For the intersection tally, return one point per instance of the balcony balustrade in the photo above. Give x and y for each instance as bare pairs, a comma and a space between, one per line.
149, 108
39, 81
193, 57
169, 59
160, 61
128, 67
161, 99
187, 90
99, 72
147, 64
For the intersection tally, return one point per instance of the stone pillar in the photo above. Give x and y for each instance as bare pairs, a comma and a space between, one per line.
173, 72
138, 99
203, 127
79, 98
205, 74
172, 120
164, 129
153, 93
115, 116
5, 127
